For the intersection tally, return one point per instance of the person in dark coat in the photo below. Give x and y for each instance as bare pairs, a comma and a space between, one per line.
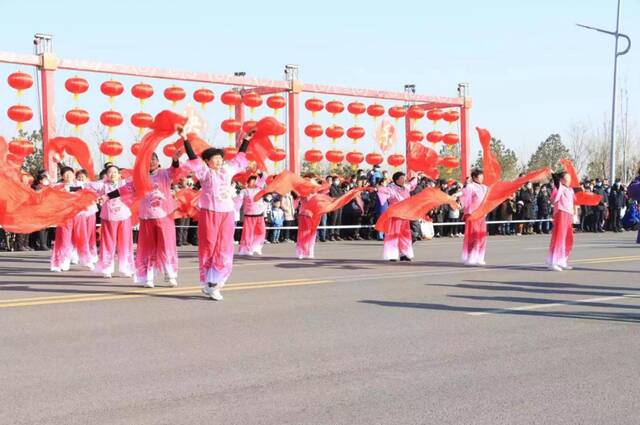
616, 203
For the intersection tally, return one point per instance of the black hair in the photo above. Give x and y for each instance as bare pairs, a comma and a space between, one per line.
397, 175
209, 153
476, 172
110, 166
154, 155
82, 172
557, 177
252, 177
64, 169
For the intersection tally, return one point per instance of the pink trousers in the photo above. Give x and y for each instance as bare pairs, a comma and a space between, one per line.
215, 246
475, 241
116, 237
84, 240
253, 235
62, 247
561, 239
397, 239
157, 250
306, 242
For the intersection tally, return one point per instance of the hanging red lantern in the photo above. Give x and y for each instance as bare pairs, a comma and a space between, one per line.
415, 112
252, 100
112, 89
451, 116
20, 114
356, 108
434, 136
334, 132
111, 118
230, 126
20, 81
395, 160
355, 158
142, 92
313, 156
111, 148
449, 162
141, 120
76, 86
313, 130
77, 117
249, 125
374, 159
397, 112
434, 115
169, 150
334, 107
334, 156
277, 155
229, 153
355, 133
21, 148
450, 139
203, 96
231, 98
314, 105
174, 94
276, 102
415, 136
135, 148
375, 110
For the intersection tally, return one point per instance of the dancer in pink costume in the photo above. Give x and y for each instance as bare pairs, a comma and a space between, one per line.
216, 223
84, 230
562, 198
116, 234
306, 240
397, 238
63, 251
253, 226
475, 231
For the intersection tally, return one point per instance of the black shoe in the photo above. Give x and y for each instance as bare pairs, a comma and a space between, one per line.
393, 260
404, 258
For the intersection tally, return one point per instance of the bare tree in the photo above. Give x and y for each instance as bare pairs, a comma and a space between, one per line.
578, 145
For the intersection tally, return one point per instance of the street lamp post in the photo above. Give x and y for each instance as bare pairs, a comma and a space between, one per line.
617, 35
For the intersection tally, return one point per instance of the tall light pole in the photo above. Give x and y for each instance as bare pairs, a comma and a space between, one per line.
617, 35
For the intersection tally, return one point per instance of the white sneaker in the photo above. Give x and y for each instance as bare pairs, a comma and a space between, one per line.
482, 263
206, 290
567, 267
555, 268
149, 284
216, 295
106, 275
173, 282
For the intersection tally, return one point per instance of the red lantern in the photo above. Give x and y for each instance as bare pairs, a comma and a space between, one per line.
375, 110
277, 155
450, 139
111, 118
249, 125
397, 112
77, 117
142, 92
434, 115
229, 153
449, 162
111, 148
276, 102
374, 159
203, 96
174, 94
141, 120
355, 158
112, 89
135, 148
169, 150
230, 126
314, 105
356, 108
355, 133
313, 156
252, 100
334, 156
313, 130
415, 136
415, 112
334, 132
231, 98
334, 107
77, 86
395, 160
20, 81
434, 136
21, 148
451, 116
20, 114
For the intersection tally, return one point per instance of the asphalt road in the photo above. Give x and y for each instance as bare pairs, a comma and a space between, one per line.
343, 339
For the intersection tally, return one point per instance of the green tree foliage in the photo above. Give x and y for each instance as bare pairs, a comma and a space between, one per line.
549, 154
506, 157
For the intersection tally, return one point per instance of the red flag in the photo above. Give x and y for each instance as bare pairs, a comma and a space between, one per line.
415, 207
500, 191
286, 182
587, 198
322, 204
423, 158
187, 200
491, 167
569, 168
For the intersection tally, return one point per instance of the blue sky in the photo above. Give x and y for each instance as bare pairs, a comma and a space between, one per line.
531, 71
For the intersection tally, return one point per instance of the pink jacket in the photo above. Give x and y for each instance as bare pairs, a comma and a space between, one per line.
249, 206
472, 196
217, 193
563, 198
114, 209
394, 193
158, 203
